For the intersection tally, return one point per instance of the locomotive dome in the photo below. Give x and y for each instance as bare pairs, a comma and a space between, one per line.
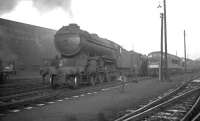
67, 40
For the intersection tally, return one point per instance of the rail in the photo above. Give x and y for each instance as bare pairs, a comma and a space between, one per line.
158, 101
161, 106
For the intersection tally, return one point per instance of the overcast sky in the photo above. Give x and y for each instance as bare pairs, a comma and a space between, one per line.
134, 24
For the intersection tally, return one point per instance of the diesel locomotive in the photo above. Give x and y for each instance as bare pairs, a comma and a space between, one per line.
86, 58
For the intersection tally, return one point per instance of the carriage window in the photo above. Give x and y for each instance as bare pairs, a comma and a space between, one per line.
150, 56
175, 61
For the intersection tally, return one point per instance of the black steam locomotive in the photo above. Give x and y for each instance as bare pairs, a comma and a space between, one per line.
88, 59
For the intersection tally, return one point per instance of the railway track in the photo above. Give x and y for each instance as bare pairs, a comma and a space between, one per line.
20, 100
16, 100
46, 94
34, 91
194, 112
21, 87
197, 117
171, 107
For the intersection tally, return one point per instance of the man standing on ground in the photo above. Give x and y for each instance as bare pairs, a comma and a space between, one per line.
123, 81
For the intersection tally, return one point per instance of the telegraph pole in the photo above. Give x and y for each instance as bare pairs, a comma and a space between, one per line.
161, 49
185, 65
165, 30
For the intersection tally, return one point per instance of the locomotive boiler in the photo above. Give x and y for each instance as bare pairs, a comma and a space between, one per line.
88, 59
70, 41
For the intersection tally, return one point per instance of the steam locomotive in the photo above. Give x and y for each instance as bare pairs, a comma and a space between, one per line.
88, 59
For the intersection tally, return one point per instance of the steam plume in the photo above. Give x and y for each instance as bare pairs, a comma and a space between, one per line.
41, 5
7, 5
47, 5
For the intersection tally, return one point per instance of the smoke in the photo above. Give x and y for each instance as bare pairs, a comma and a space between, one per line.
7, 5
48, 5
41, 5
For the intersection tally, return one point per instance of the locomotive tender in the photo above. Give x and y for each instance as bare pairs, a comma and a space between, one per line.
87, 58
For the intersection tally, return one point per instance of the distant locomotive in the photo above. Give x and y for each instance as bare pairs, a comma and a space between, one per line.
87, 58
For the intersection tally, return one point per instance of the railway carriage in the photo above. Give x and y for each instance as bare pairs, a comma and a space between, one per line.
174, 63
